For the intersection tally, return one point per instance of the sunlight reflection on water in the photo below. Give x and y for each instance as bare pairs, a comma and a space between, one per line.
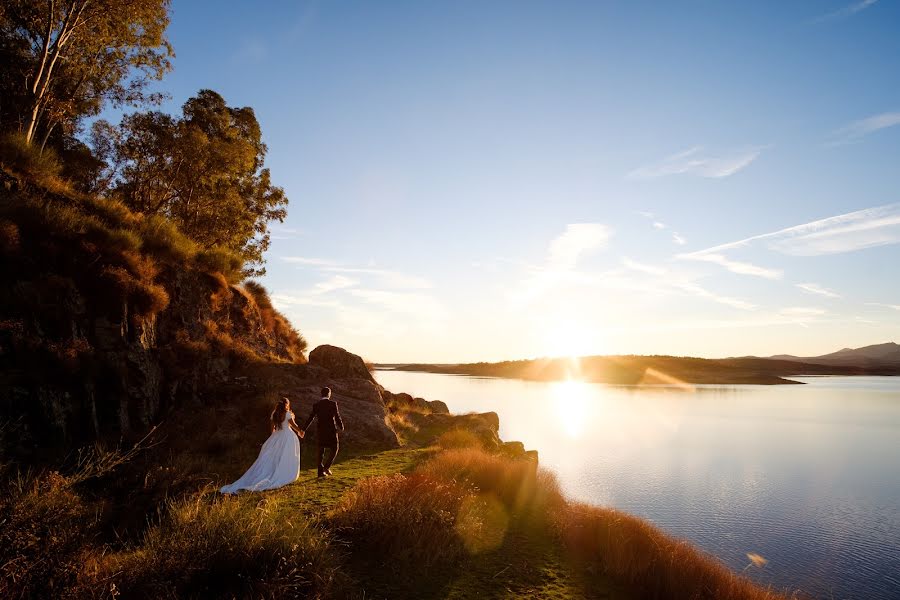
805, 476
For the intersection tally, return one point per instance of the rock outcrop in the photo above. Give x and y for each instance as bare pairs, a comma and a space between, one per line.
339, 363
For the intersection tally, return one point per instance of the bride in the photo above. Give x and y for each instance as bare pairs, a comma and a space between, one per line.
278, 463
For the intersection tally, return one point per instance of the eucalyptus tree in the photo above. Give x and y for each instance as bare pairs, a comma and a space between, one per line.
204, 170
64, 59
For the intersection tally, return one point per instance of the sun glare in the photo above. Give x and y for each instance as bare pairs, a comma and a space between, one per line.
572, 406
569, 339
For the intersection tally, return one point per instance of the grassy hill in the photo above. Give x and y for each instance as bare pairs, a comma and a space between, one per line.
655, 370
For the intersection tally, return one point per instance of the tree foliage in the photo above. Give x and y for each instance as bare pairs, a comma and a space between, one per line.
204, 170
63, 60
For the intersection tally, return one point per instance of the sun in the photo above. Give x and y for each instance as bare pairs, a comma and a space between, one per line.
569, 339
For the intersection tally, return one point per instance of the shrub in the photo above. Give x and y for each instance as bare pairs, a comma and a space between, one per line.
113, 212
144, 298
226, 548
44, 538
147, 298
259, 293
162, 238
519, 484
28, 159
635, 553
406, 520
110, 239
220, 260
459, 438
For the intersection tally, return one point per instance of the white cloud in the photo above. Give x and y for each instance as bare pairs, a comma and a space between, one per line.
313, 262
643, 268
678, 239
846, 11
867, 228
668, 282
659, 225
802, 311
388, 277
701, 292
423, 307
742, 268
577, 239
694, 163
338, 282
859, 129
814, 288
882, 305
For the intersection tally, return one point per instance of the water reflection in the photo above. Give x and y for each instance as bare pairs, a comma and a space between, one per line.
571, 403
802, 481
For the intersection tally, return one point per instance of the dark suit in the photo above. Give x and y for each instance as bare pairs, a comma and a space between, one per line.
329, 422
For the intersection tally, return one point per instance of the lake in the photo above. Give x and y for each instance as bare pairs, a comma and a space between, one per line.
807, 476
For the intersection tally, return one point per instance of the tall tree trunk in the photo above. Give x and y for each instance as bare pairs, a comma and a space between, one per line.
50, 51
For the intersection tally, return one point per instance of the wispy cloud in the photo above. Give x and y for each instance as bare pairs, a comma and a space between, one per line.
664, 281
845, 11
366, 301
814, 288
250, 51
313, 262
659, 225
577, 239
338, 282
867, 228
701, 292
695, 162
741, 268
857, 130
883, 305
426, 309
388, 277
560, 267
284, 233
803, 311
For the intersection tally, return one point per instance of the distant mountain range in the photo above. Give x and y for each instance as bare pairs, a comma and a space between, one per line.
879, 359
877, 355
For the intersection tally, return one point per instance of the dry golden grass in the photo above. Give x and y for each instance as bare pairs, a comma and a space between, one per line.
526, 490
409, 518
455, 439
646, 560
209, 546
629, 550
45, 537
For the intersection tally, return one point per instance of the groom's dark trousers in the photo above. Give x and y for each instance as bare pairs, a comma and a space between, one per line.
329, 422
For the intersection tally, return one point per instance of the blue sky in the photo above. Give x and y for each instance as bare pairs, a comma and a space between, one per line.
493, 180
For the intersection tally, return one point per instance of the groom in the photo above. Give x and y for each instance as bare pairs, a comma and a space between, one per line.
326, 411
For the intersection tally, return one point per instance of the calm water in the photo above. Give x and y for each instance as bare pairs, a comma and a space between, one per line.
806, 476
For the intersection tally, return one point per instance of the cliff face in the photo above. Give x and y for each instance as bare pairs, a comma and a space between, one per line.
103, 332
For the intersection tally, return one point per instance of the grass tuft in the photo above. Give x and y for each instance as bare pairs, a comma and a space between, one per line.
219, 547
408, 520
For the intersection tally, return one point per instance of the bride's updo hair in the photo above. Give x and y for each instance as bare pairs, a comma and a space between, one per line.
281, 409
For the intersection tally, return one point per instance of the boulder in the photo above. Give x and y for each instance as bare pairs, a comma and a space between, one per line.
359, 401
438, 407
339, 363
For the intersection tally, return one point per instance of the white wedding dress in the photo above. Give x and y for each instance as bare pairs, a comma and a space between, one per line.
278, 463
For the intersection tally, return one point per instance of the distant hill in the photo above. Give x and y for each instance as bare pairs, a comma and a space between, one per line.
874, 356
882, 359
